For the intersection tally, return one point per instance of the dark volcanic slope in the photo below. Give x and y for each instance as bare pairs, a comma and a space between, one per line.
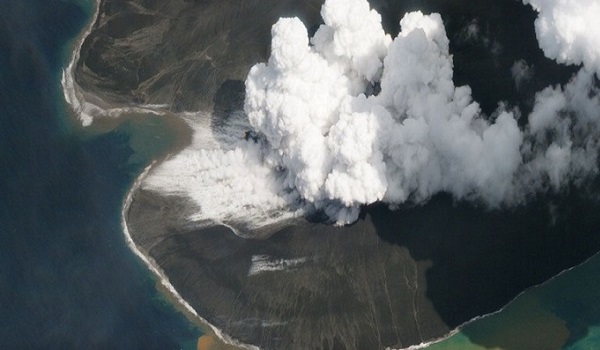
392, 279
179, 52
342, 288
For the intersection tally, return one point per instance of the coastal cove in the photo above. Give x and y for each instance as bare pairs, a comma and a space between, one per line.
395, 278
67, 277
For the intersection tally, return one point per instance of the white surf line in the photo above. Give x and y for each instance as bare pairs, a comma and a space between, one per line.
67, 80
86, 110
154, 267
478, 318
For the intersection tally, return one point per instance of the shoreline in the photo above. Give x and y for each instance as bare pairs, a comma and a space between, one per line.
164, 280
78, 100
84, 112
67, 80
491, 314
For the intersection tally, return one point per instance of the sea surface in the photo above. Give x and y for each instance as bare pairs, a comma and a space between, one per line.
67, 278
563, 313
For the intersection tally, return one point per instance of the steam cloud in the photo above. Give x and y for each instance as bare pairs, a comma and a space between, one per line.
350, 117
569, 31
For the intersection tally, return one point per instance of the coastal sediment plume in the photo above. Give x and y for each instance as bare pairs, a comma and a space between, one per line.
351, 116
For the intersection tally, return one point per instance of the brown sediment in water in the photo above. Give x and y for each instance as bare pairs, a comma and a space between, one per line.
162, 280
146, 131
537, 328
174, 127
209, 340
205, 343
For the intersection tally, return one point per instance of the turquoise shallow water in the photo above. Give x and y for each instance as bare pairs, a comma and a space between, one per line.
67, 278
563, 313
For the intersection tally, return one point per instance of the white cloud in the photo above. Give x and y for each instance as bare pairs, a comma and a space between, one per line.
419, 136
521, 72
563, 132
324, 144
569, 31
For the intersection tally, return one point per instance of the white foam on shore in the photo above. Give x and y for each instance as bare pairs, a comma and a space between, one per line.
70, 88
85, 110
157, 271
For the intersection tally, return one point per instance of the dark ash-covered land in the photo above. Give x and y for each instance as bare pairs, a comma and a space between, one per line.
391, 279
394, 278
178, 52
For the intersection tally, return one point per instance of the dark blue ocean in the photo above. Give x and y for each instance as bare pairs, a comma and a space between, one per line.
67, 278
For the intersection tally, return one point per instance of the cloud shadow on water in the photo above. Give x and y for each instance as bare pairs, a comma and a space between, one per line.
482, 259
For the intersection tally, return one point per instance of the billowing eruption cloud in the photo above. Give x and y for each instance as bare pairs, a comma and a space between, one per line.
350, 117
569, 31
